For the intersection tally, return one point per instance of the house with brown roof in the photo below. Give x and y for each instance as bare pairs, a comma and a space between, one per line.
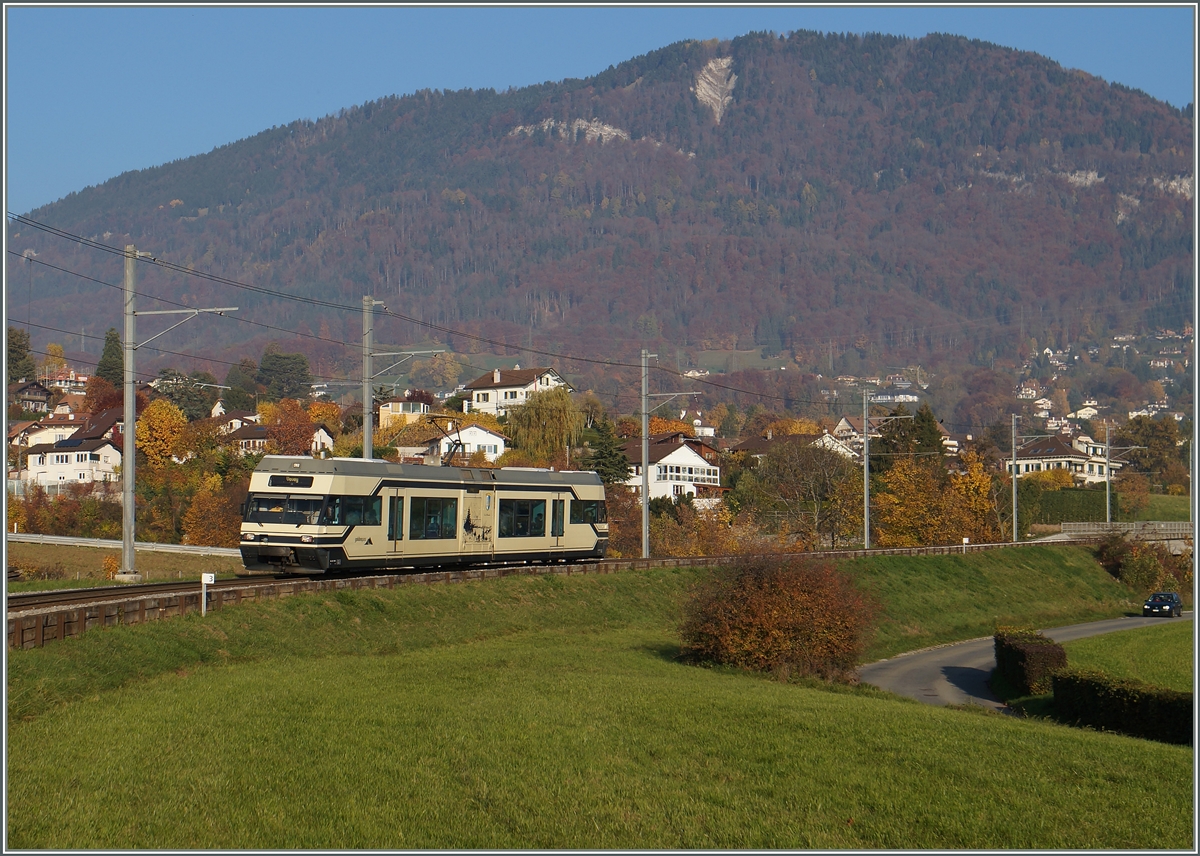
32, 396
1083, 457
501, 389
681, 465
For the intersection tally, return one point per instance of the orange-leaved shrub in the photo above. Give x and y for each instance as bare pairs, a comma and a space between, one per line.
793, 617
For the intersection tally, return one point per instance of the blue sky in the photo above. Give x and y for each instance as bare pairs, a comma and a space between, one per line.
94, 91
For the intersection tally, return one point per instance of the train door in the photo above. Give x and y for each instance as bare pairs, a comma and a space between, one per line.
558, 521
393, 499
478, 523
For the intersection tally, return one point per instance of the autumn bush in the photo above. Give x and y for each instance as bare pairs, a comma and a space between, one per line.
792, 617
1152, 567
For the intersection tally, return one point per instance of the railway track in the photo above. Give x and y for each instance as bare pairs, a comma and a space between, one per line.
37, 617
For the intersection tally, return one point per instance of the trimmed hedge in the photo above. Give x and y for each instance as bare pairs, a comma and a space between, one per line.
1124, 705
1027, 659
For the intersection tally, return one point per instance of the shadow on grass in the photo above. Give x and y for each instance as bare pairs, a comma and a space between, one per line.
666, 652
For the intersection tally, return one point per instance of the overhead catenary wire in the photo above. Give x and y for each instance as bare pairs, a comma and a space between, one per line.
190, 271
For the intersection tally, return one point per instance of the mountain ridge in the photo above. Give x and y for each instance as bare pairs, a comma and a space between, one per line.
933, 199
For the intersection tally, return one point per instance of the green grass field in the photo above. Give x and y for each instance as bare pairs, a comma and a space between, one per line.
81, 567
1159, 655
1163, 507
550, 712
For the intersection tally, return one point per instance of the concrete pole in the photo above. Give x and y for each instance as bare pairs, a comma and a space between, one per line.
129, 444
368, 408
1014, 478
645, 456
1107, 478
866, 477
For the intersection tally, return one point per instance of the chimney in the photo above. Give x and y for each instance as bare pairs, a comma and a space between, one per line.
495, 375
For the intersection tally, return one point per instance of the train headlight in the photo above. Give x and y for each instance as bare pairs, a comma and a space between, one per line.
306, 539
247, 536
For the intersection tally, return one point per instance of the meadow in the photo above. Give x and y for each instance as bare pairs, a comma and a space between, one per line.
551, 712
1161, 655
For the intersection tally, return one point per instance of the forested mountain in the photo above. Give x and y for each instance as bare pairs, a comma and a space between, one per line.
936, 200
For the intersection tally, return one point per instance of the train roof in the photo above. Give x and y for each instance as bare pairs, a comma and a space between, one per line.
379, 469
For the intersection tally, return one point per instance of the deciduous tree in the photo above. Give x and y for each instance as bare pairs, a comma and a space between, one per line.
546, 425
289, 427
159, 430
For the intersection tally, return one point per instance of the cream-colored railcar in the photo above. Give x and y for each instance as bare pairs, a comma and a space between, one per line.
308, 515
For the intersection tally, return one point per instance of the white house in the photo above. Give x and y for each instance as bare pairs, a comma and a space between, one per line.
1083, 458
475, 438
681, 465
760, 446
72, 460
501, 389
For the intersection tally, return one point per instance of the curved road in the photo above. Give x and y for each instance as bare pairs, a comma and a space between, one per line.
958, 673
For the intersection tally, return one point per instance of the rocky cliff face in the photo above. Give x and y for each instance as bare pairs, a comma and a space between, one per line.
714, 85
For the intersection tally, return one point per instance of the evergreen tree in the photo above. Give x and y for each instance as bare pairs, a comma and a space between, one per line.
20, 363
284, 375
606, 457
112, 359
240, 380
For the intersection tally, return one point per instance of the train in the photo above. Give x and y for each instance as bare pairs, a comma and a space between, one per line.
308, 516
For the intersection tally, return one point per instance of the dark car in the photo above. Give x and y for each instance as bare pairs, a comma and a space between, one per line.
1162, 603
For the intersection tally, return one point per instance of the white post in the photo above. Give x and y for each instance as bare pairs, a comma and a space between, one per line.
205, 581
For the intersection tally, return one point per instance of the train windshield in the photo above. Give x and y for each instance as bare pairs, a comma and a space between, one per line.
297, 509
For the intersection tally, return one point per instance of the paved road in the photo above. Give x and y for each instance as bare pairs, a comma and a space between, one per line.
958, 673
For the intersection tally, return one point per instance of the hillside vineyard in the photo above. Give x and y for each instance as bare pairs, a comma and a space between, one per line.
937, 200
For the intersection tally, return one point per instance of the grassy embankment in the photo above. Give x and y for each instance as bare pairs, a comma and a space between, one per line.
1163, 507
1160, 655
82, 567
549, 712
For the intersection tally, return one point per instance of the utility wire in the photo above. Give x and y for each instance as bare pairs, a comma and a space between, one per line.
389, 313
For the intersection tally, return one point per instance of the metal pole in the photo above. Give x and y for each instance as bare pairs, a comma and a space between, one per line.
645, 457
866, 477
1014, 477
1107, 478
368, 408
128, 437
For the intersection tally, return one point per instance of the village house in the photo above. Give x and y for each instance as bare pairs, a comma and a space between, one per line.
397, 411
757, 447
66, 380
1083, 457
72, 460
682, 465
501, 389
31, 396
434, 443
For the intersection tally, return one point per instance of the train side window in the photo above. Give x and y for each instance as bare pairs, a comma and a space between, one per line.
522, 518
432, 518
558, 512
588, 511
353, 511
